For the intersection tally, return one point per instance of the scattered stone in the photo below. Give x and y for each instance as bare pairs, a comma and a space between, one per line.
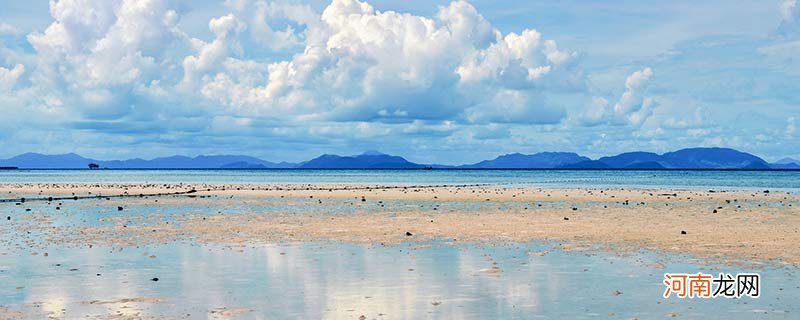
565, 218
492, 270
154, 279
683, 232
119, 208
408, 234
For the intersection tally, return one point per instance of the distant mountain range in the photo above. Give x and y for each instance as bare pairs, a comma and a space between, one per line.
368, 160
74, 161
542, 160
692, 158
786, 163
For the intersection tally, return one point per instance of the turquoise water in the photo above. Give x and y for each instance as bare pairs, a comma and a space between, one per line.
562, 178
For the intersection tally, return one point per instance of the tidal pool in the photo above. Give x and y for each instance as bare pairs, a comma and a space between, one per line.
332, 280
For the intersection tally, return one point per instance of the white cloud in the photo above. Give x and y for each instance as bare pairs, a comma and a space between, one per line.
790, 24
264, 14
8, 29
361, 64
108, 58
631, 100
596, 112
9, 77
791, 128
789, 9
633, 106
210, 56
97, 51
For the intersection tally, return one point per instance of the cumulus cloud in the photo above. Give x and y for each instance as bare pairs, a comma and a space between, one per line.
95, 52
596, 112
209, 56
633, 107
130, 66
112, 59
267, 13
362, 64
9, 77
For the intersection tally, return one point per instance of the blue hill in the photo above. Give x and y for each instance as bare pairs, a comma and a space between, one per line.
641, 160
40, 161
370, 160
588, 164
713, 158
692, 158
542, 160
74, 161
199, 162
786, 163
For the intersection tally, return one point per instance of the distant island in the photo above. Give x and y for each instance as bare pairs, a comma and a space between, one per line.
691, 158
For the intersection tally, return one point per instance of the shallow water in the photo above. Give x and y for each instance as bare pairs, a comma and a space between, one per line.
335, 280
552, 178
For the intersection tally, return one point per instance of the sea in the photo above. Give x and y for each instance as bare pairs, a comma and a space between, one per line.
335, 280
698, 179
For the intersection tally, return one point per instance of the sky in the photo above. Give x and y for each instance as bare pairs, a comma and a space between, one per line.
434, 81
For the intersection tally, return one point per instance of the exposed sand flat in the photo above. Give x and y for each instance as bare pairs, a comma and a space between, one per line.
747, 225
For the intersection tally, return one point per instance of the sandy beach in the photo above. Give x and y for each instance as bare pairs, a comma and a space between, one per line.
729, 226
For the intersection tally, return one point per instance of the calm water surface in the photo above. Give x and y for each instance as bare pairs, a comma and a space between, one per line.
333, 280
341, 281
559, 178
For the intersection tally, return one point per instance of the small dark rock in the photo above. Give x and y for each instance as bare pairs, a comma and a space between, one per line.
119, 208
408, 234
154, 279
565, 218
683, 232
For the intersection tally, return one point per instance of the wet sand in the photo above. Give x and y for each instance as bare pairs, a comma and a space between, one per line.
723, 226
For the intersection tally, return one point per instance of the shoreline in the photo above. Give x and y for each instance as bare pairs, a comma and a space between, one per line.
723, 225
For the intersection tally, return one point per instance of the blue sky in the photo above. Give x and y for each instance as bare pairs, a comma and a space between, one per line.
435, 81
